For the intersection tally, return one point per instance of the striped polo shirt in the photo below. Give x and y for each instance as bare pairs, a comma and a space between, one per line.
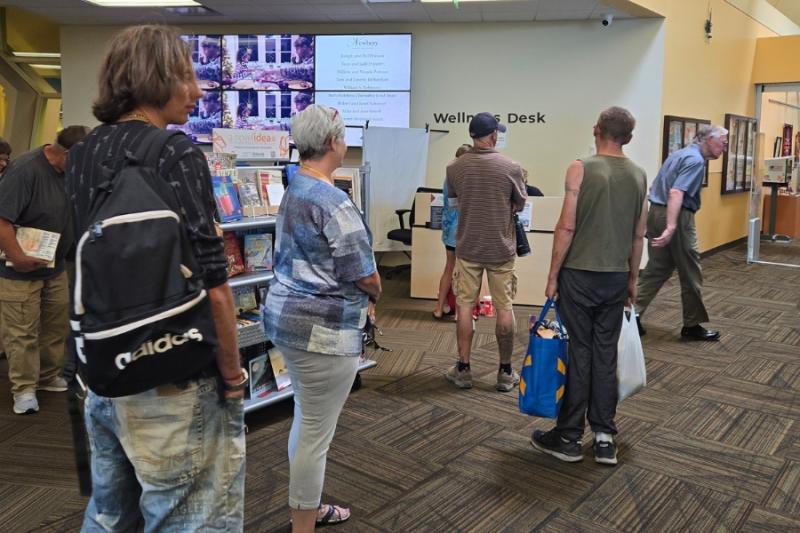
487, 188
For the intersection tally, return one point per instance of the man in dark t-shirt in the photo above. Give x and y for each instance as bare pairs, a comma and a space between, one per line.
34, 292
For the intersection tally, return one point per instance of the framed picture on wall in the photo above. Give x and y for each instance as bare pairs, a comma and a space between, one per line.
679, 132
738, 159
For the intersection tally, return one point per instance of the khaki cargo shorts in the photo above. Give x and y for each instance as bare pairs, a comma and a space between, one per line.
467, 278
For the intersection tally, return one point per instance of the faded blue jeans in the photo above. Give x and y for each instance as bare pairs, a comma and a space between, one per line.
175, 457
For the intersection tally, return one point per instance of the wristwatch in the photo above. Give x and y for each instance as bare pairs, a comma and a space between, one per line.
242, 385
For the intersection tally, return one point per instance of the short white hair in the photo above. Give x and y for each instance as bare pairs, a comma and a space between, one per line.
709, 131
314, 127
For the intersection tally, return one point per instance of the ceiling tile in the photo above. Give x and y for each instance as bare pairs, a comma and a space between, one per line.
265, 11
581, 14
401, 12
508, 16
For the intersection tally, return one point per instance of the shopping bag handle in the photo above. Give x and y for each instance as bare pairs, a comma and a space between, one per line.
632, 316
549, 303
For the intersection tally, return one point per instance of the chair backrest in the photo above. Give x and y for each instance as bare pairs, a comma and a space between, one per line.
413, 203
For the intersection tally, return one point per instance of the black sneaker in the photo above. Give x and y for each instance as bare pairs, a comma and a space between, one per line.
605, 453
554, 444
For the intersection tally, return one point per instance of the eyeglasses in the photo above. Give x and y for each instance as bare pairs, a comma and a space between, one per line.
335, 114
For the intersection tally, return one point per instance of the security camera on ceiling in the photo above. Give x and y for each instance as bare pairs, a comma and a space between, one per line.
607, 20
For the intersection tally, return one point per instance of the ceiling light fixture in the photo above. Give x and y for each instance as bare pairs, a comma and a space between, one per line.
37, 65
458, 1
39, 55
144, 3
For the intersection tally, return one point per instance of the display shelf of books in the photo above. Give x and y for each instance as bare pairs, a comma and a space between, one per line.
272, 396
247, 201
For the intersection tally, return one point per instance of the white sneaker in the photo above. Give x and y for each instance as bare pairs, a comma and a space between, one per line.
54, 385
25, 403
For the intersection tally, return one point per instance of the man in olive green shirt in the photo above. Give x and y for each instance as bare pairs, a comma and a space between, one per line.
597, 248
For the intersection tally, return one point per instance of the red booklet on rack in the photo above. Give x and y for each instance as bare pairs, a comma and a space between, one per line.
233, 253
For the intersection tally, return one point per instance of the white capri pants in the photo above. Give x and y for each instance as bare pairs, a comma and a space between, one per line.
321, 385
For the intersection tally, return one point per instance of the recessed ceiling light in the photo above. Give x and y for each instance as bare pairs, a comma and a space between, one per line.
37, 54
143, 3
36, 65
459, 1
191, 11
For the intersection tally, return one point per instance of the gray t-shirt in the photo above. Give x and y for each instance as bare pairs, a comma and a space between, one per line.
32, 194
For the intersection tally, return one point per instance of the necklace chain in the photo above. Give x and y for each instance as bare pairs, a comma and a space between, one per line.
314, 172
136, 115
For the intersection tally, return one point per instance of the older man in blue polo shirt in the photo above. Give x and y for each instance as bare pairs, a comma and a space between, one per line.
672, 238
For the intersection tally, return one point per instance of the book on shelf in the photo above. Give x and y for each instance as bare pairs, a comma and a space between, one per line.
262, 382
271, 188
233, 254
279, 369
37, 243
227, 198
220, 160
249, 185
348, 179
244, 298
258, 252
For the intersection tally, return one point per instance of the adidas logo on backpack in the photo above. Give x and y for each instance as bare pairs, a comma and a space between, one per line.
164, 344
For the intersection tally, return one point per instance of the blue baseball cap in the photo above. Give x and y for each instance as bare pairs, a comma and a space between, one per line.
483, 124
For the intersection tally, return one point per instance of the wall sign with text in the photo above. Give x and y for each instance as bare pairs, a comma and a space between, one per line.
462, 117
249, 144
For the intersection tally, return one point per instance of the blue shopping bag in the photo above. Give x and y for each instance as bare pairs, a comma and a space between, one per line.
544, 371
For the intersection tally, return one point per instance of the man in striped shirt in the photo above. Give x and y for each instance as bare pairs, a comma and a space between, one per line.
487, 188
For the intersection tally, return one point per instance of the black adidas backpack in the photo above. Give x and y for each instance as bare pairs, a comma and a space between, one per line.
140, 314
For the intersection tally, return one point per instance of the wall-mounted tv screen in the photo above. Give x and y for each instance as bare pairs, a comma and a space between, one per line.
206, 116
363, 63
266, 79
263, 110
206, 59
268, 62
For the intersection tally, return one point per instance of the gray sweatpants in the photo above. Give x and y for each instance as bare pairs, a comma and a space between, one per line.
321, 385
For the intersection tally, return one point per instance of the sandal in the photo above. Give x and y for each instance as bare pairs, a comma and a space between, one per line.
334, 515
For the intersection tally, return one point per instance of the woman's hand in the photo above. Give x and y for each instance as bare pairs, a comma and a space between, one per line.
371, 312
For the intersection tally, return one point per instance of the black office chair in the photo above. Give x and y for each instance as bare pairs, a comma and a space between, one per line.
403, 234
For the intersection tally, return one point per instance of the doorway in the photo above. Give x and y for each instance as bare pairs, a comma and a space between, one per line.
774, 210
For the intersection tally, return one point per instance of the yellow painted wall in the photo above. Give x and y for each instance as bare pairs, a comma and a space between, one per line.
3, 108
26, 32
49, 123
706, 79
777, 60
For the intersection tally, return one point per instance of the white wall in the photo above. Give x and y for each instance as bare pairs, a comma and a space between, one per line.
568, 71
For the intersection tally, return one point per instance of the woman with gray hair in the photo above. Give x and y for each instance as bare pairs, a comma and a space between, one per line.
326, 282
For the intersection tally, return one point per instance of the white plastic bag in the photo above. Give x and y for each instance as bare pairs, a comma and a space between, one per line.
631, 372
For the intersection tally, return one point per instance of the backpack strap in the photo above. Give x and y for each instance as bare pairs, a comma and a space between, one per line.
147, 155
149, 151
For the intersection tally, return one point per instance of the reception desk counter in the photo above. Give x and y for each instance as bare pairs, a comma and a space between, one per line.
788, 215
428, 254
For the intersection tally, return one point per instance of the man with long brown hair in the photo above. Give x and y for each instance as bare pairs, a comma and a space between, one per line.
172, 455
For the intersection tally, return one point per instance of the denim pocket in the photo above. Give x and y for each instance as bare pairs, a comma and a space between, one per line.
163, 435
